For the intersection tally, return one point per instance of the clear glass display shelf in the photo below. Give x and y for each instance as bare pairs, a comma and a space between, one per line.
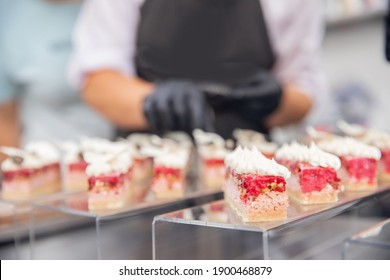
219, 221
371, 243
15, 223
110, 234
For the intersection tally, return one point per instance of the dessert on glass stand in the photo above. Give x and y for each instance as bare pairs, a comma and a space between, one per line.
250, 138
75, 177
313, 177
109, 177
375, 138
142, 168
169, 178
256, 186
212, 150
316, 135
32, 172
184, 141
359, 162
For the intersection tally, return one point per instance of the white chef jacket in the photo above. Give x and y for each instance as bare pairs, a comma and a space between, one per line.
35, 46
105, 38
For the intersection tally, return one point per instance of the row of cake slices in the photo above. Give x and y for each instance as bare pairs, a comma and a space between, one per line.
113, 173
257, 187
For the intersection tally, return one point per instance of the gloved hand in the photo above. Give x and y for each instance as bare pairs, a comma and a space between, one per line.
253, 99
178, 105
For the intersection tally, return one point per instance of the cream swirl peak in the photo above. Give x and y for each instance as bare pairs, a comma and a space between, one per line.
43, 150
211, 151
346, 146
251, 161
103, 164
109, 157
376, 138
71, 151
312, 155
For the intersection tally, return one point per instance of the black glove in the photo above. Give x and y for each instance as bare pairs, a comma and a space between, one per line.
253, 99
178, 105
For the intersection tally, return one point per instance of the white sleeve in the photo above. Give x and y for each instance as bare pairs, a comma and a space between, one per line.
299, 48
104, 38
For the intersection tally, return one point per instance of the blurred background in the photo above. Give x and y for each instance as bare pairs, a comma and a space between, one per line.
355, 66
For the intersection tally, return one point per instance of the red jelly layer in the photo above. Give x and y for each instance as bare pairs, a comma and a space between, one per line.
316, 178
28, 172
257, 184
214, 161
361, 168
162, 170
386, 159
77, 166
12, 174
108, 180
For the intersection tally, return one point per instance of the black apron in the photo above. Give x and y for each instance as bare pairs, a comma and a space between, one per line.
217, 41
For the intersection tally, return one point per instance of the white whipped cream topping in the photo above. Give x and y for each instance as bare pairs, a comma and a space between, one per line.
102, 165
369, 136
173, 159
312, 155
346, 146
12, 151
353, 130
71, 151
108, 157
205, 138
248, 135
139, 138
98, 145
251, 161
318, 135
43, 150
28, 162
376, 138
249, 138
181, 138
264, 147
211, 151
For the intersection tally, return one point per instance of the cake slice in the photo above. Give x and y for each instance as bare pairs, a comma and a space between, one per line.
359, 162
109, 178
212, 150
256, 186
32, 172
142, 164
169, 178
75, 177
313, 177
318, 134
375, 138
